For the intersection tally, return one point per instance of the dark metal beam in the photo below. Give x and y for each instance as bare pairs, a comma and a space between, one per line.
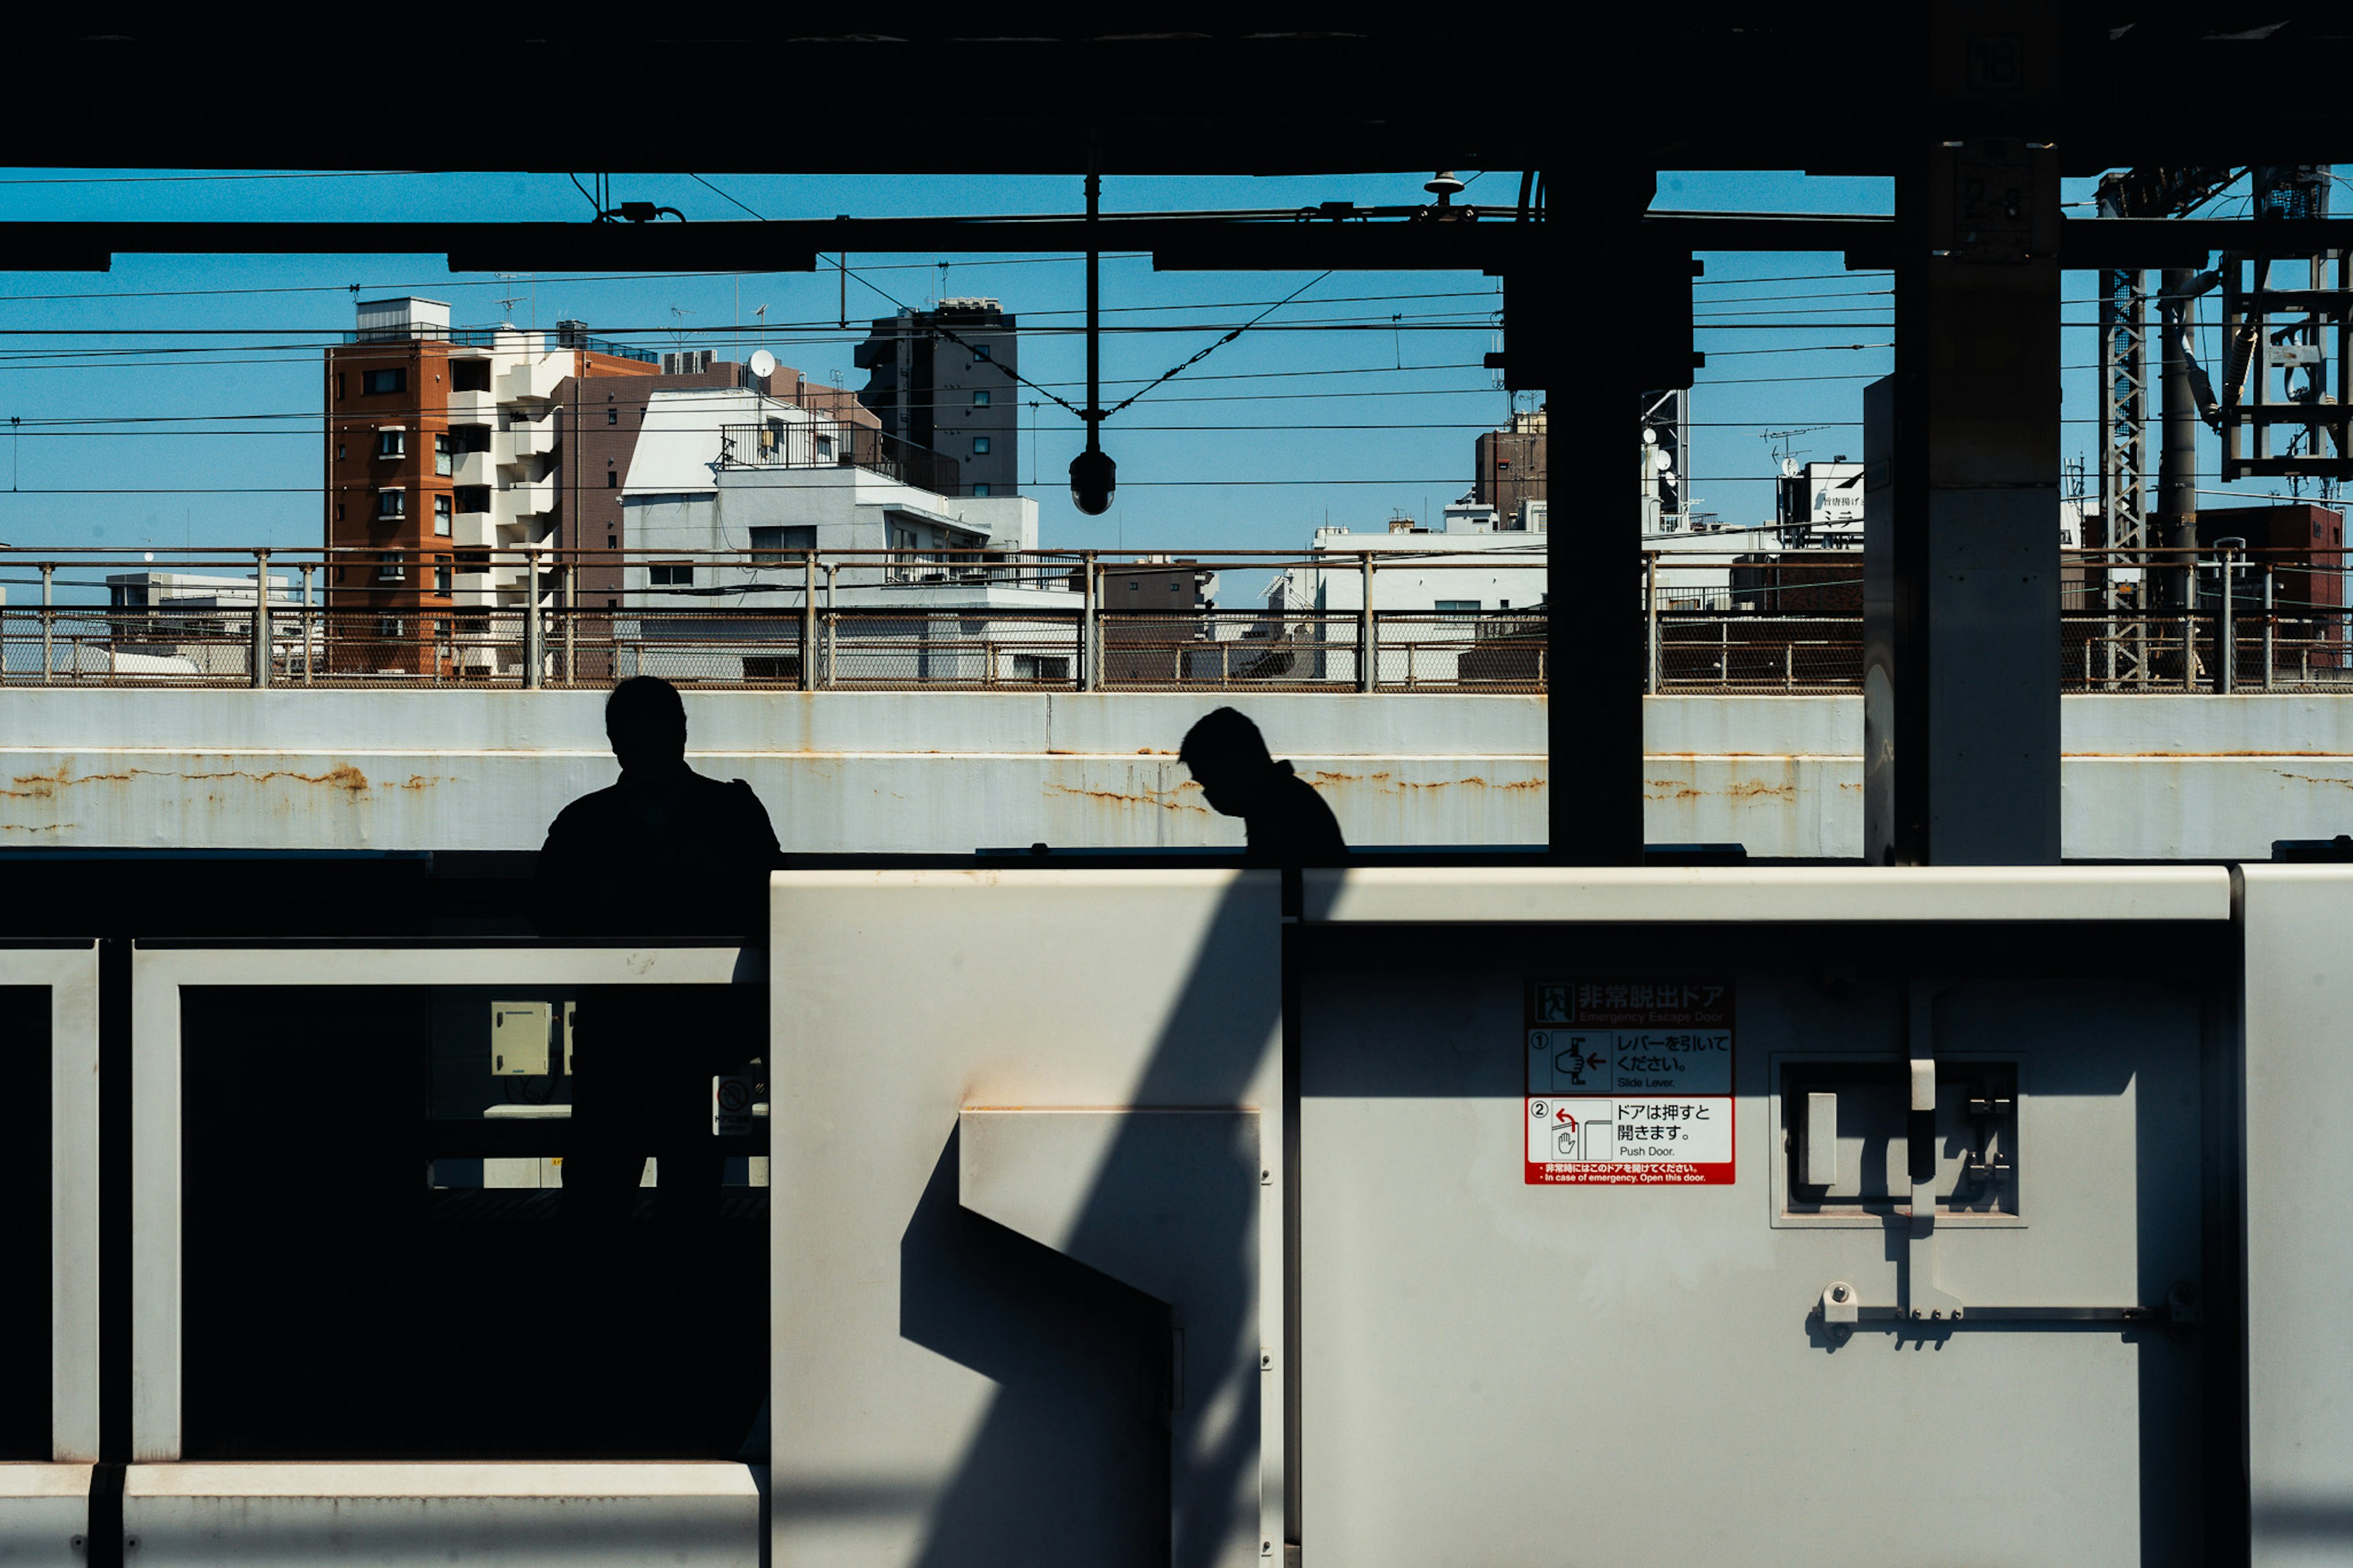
1206, 242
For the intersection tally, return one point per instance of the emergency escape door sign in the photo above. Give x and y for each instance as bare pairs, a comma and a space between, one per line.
1629, 1083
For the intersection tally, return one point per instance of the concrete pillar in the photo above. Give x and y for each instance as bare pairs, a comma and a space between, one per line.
1961, 592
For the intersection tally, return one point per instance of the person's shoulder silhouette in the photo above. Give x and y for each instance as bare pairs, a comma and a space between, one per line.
664, 852
1284, 821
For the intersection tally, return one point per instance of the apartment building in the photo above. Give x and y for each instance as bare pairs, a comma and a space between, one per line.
447, 457
1509, 468
944, 379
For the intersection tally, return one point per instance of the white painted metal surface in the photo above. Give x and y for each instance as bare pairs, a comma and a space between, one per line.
157, 977
870, 772
2299, 1065
2151, 777
71, 976
44, 1514
1771, 893
1496, 1371
1105, 1040
699, 1515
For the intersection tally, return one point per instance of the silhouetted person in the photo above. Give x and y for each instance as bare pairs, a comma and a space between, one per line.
664, 853
1284, 821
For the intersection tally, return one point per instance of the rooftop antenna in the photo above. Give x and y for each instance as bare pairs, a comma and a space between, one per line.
678, 315
760, 314
507, 302
1787, 453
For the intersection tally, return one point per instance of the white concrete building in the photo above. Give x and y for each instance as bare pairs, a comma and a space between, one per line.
743, 487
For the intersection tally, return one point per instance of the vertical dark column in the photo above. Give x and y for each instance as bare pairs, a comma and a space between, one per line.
1594, 666
1963, 724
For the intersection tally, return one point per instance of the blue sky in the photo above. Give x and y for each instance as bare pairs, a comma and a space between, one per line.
1263, 441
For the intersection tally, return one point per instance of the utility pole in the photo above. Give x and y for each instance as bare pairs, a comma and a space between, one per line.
2177, 484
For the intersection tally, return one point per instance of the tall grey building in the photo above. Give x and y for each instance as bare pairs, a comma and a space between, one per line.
952, 394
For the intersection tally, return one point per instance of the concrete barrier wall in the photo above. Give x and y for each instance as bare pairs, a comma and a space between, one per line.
2146, 777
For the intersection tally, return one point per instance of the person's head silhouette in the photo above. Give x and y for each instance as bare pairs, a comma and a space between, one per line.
1228, 760
646, 721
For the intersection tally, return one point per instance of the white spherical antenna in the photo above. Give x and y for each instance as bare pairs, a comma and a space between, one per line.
764, 364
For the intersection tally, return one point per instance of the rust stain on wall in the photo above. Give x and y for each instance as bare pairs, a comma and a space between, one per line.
1119, 798
45, 786
347, 778
1740, 789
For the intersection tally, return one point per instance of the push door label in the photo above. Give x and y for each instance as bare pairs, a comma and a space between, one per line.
1629, 1081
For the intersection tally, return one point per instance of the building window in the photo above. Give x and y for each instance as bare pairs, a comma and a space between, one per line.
473, 498
612, 416
980, 400
445, 457
469, 437
392, 443
376, 383
980, 446
387, 625
442, 573
391, 503
441, 506
979, 353
1457, 607
980, 490
777, 541
339, 511
389, 569
612, 480
339, 387
825, 449
339, 452
469, 375
672, 576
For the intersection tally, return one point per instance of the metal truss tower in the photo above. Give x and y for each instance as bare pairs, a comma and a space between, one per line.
2123, 470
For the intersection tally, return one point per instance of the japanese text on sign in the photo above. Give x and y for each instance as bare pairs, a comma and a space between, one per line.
1630, 1082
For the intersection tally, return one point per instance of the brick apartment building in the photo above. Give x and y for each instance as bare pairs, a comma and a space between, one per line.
1510, 467
446, 455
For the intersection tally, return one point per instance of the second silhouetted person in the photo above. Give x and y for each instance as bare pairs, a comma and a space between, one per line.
1284, 821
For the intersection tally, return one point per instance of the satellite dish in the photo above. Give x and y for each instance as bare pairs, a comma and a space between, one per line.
764, 364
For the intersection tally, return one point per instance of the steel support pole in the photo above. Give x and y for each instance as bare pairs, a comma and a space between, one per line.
312, 636
808, 620
2177, 464
1089, 677
2270, 628
1651, 623
48, 619
2226, 631
832, 618
1368, 652
571, 618
533, 654
262, 639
